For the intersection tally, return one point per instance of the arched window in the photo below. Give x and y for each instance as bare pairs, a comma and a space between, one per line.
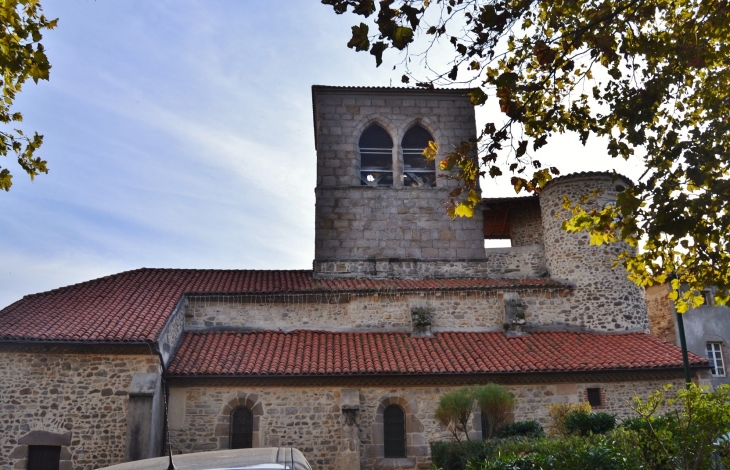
394, 432
241, 428
376, 157
485, 425
417, 171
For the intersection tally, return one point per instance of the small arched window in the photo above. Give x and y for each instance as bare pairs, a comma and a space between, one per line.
485, 425
394, 430
241, 428
376, 157
417, 171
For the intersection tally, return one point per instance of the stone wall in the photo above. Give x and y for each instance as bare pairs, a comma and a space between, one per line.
512, 263
310, 418
604, 298
661, 313
478, 310
526, 226
354, 221
84, 395
363, 222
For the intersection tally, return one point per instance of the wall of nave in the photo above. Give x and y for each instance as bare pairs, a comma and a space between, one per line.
481, 310
311, 418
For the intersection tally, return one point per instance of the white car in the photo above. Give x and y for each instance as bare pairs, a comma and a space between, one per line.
265, 458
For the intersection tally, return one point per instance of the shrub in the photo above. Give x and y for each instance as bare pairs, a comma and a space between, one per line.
456, 407
585, 424
558, 412
454, 410
455, 455
421, 316
596, 452
497, 403
531, 429
684, 437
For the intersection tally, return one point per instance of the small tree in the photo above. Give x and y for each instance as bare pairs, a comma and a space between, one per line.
498, 404
454, 410
694, 428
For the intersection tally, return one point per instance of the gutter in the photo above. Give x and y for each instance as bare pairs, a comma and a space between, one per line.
282, 377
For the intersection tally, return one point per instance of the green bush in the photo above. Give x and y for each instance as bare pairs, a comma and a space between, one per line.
596, 452
456, 407
531, 429
454, 410
497, 403
455, 455
585, 424
684, 436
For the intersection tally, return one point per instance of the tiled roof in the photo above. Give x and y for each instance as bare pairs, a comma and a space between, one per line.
321, 353
134, 305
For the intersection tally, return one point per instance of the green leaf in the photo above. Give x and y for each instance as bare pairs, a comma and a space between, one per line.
359, 41
402, 37
377, 51
477, 96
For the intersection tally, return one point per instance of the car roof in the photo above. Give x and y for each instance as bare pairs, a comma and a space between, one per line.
263, 458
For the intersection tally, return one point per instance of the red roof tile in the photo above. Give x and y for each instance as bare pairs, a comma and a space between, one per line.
134, 305
306, 352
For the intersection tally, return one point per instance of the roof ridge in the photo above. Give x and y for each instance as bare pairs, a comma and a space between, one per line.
90, 281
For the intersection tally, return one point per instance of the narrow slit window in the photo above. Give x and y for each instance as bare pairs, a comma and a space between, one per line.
394, 429
417, 171
241, 428
714, 354
485, 425
594, 397
376, 157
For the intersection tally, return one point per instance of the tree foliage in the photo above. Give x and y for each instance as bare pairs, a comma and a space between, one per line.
454, 410
685, 428
650, 77
456, 407
558, 413
498, 404
22, 56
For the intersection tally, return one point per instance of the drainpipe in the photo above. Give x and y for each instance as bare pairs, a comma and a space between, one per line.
166, 398
683, 345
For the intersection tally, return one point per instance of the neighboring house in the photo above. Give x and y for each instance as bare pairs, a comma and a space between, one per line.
706, 328
331, 360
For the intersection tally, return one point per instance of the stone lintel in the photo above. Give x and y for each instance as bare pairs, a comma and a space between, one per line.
46, 438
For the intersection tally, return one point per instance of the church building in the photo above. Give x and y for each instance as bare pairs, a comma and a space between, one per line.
346, 361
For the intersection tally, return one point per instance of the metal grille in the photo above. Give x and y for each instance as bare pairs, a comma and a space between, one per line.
242, 428
44, 457
394, 432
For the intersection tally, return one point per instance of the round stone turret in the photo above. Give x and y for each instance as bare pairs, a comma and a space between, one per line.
604, 298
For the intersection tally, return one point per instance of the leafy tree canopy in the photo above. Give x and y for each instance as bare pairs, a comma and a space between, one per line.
649, 76
22, 56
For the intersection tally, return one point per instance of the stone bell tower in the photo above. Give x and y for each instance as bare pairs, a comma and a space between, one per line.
380, 205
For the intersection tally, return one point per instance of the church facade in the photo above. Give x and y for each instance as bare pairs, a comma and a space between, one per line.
345, 361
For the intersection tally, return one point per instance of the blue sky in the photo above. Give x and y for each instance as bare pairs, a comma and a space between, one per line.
179, 134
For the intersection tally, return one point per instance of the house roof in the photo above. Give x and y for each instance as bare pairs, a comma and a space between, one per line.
134, 306
324, 353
